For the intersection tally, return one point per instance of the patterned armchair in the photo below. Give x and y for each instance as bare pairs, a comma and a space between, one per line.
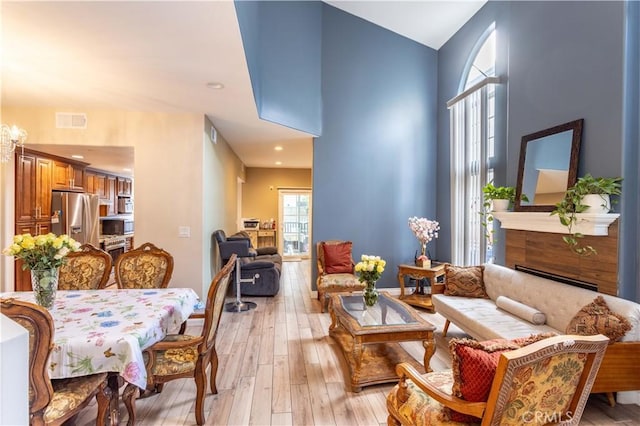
53, 402
545, 382
180, 356
145, 267
87, 269
335, 270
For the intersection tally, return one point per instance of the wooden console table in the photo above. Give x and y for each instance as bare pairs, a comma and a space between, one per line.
419, 297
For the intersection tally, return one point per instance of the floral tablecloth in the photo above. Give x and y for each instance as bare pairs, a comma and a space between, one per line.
106, 330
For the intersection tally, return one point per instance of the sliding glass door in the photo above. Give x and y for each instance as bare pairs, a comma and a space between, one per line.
294, 238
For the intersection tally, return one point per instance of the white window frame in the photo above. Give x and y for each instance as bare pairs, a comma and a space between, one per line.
471, 167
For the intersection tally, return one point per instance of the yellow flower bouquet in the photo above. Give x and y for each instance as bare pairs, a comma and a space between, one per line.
43, 251
43, 255
369, 270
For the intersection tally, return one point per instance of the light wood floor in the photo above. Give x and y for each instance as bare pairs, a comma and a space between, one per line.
278, 366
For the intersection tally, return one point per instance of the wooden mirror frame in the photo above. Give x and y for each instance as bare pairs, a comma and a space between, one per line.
576, 139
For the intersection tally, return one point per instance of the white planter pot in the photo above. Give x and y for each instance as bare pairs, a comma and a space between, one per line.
500, 205
598, 203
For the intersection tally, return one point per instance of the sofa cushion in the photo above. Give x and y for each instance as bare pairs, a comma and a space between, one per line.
337, 258
466, 281
482, 320
597, 318
521, 310
474, 365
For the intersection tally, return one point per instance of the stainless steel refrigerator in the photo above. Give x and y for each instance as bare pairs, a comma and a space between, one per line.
77, 215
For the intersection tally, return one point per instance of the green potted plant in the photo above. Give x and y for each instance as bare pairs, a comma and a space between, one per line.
498, 198
588, 195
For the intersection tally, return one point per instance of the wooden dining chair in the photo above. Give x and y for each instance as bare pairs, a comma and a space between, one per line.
179, 356
145, 267
87, 269
53, 402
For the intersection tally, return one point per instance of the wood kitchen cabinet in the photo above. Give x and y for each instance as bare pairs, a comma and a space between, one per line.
68, 176
23, 278
90, 182
112, 195
125, 186
33, 187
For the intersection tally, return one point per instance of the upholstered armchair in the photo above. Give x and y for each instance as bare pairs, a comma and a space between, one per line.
335, 269
545, 382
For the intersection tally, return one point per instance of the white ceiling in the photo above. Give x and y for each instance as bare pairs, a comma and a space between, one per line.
159, 56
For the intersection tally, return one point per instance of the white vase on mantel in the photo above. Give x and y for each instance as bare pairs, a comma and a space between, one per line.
598, 203
500, 205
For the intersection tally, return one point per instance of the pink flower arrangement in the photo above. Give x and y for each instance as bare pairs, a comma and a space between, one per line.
424, 229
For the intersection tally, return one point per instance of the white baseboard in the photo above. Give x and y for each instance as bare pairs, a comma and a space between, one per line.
630, 397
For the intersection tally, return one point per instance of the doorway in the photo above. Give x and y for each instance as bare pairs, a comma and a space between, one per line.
294, 215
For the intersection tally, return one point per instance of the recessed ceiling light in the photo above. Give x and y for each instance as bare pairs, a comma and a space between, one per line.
278, 163
215, 85
278, 148
126, 169
79, 157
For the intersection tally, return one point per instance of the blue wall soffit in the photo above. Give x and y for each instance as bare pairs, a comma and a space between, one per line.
282, 42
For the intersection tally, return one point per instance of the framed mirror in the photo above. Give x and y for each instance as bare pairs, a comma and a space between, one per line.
548, 166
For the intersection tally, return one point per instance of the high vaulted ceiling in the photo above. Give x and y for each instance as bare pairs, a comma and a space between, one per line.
159, 56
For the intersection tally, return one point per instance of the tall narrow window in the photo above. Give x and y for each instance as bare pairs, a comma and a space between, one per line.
472, 150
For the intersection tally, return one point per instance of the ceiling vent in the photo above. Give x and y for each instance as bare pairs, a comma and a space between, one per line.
71, 120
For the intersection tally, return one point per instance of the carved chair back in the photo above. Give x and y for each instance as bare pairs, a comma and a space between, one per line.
39, 323
215, 304
550, 379
87, 269
145, 267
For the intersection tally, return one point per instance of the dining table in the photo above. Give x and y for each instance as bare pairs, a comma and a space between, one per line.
107, 330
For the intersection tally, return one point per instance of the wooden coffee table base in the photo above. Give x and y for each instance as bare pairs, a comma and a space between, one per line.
375, 363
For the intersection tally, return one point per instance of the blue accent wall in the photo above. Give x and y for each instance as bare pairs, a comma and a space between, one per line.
282, 41
375, 164
563, 61
630, 203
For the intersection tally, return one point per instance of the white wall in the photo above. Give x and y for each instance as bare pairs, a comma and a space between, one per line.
176, 175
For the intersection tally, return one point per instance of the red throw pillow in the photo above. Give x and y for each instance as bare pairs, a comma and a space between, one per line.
337, 258
474, 366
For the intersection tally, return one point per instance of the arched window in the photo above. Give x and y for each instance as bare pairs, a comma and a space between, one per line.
472, 151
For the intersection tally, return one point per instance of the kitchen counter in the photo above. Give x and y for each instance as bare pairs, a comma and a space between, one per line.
118, 216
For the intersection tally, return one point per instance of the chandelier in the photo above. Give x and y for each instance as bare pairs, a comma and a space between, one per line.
10, 138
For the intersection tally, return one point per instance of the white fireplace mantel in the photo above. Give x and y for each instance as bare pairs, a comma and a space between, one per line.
588, 224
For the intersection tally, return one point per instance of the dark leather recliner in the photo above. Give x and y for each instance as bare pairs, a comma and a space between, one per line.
263, 261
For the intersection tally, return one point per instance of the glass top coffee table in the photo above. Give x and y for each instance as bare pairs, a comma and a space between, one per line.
369, 337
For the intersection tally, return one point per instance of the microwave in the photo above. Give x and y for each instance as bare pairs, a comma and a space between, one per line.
125, 205
117, 226
250, 224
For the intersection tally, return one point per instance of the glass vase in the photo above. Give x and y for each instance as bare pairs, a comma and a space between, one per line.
370, 294
45, 284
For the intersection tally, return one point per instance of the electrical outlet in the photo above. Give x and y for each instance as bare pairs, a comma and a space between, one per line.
184, 231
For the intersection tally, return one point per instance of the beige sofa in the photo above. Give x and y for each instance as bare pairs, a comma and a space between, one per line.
483, 320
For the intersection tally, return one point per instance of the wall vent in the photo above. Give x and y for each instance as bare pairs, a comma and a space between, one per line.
71, 120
